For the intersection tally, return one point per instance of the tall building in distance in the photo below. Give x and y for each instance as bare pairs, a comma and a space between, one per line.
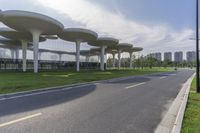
190, 55
178, 56
168, 56
157, 56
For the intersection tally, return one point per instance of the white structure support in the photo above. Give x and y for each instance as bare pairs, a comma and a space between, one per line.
17, 54
113, 54
60, 57
24, 53
99, 58
106, 60
119, 59
12, 54
131, 59
36, 36
39, 55
78, 42
102, 57
87, 58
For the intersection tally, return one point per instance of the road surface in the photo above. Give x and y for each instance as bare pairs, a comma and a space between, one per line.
132, 105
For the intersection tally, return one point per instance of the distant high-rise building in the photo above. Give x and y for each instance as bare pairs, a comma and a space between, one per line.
157, 56
191, 56
168, 56
178, 56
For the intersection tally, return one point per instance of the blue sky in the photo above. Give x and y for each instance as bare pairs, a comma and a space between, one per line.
177, 13
156, 25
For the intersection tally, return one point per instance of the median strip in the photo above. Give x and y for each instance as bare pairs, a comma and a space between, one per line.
19, 120
128, 87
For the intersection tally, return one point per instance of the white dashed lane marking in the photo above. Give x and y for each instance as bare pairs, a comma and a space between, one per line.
19, 120
132, 86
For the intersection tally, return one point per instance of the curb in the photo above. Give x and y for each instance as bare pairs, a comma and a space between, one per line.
179, 119
68, 87
172, 121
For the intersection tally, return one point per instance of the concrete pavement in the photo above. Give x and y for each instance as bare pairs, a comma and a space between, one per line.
133, 105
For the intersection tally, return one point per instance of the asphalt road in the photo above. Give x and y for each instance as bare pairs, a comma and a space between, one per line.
133, 105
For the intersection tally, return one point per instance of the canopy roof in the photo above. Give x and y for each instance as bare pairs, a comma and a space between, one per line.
29, 21
121, 46
104, 41
75, 34
9, 43
17, 35
134, 49
52, 37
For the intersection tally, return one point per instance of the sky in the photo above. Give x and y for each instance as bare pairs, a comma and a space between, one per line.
155, 25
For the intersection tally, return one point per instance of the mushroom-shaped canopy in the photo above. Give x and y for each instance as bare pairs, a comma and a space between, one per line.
108, 50
84, 52
122, 46
111, 51
74, 34
104, 41
44, 50
17, 35
28, 22
134, 49
59, 52
52, 37
95, 51
88, 53
9, 41
12, 43
9, 46
40, 50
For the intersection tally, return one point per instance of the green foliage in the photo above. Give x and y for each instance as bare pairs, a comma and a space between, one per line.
18, 81
149, 61
191, 122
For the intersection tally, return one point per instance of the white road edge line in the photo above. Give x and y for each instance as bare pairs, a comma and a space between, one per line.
163, 77
19, 120
128, 87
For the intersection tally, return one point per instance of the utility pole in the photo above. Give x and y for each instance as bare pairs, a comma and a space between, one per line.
197, 46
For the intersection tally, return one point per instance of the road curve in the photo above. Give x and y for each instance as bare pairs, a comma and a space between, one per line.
132, 105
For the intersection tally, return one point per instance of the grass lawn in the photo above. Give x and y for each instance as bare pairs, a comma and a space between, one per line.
18, 81
191, 122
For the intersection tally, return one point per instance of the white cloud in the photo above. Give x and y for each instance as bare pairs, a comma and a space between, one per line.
95, 17
87, 14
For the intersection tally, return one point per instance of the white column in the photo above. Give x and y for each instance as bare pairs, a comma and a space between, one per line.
24, 52
17, 54
131, 59
78, 42
87, 58
113, 54
60, 57
12, 54
119, 59
99, 58
36, 35
102, 57
39, 55
106, 60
